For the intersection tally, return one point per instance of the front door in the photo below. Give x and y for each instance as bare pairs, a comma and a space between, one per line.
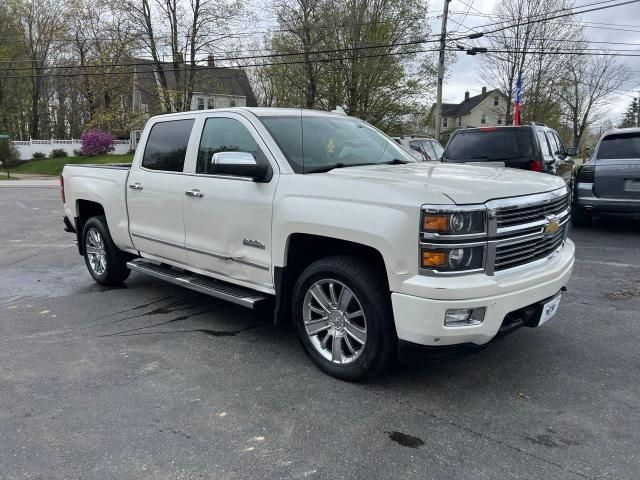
228, 219
155, 192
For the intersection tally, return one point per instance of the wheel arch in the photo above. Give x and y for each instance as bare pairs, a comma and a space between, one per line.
85, 209
302, 249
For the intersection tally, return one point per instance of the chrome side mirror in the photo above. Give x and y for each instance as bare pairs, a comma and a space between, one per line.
240, 164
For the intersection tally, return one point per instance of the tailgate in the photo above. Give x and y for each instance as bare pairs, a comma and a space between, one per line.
617, 172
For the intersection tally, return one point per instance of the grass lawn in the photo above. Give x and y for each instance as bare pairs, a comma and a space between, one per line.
53, 166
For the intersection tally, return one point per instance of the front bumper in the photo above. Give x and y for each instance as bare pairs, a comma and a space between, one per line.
419, 309
586, 201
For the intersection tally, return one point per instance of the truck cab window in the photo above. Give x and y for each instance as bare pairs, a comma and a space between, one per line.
224, 135
167, 145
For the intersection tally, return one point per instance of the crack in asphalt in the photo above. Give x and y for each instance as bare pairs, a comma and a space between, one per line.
213, 333
177, 319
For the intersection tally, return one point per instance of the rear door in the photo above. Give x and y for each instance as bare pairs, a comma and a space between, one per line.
155, 191
617, 162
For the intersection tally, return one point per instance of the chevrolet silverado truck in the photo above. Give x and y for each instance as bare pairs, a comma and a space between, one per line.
332, 225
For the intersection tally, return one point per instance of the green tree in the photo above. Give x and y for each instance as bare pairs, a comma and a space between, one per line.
9, 155
361, 55
632, 115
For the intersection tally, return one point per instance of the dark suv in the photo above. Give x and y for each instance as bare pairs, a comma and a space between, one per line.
533, 147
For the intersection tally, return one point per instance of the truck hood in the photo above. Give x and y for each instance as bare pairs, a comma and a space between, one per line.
463, 184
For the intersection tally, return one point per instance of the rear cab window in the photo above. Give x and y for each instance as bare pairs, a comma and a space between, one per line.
489, 144
619, 146
166, 145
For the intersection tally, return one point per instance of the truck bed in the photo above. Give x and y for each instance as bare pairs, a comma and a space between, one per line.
105, 185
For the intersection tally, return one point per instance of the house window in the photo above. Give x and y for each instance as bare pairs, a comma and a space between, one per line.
232, 102
496, 101
200, 101
459, 121
499, 120
211, 103
483, 119
444, 122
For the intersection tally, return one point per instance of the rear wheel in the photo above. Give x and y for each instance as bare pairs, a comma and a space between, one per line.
343, 315
106, 263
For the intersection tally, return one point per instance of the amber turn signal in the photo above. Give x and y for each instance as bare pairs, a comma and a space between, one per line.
433, 258
435, 223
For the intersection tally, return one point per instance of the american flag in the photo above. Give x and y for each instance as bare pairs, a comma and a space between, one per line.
516, 101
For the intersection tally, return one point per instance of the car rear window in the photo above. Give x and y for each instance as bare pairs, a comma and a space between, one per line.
620, 145
483, 145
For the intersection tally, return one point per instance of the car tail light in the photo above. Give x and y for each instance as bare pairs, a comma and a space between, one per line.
586, 173
62, 188
536, 166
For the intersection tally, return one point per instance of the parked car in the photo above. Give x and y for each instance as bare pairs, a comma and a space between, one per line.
609, 183
423, 149
321, 228
534, 147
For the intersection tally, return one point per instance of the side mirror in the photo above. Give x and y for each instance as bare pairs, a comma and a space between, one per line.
240, 164
572, 151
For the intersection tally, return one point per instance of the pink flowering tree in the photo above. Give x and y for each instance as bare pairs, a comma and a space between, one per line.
96, 142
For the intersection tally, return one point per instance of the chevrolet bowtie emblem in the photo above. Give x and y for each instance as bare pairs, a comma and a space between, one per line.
551, 227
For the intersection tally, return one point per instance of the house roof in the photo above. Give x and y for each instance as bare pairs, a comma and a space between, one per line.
466, 106
212, 81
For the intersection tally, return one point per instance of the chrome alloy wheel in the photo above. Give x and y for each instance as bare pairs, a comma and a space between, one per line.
96, 253
334, 321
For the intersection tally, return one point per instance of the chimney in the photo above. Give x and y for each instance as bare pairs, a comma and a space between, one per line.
211, 61
484, 91
466, 95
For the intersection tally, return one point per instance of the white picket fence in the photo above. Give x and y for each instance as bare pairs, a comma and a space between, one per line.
28, 147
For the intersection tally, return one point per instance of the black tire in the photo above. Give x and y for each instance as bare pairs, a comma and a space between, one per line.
369, 286
115, 269
579, 218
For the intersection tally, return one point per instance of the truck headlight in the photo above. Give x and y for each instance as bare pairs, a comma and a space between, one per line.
452, 258
462, 222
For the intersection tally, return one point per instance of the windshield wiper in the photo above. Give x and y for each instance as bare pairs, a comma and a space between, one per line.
328, 168
395, 161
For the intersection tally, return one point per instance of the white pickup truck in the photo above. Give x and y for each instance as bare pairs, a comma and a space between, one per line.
333, 225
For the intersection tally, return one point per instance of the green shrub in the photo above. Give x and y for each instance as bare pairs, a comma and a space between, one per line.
58, 153
38, 155
78, 152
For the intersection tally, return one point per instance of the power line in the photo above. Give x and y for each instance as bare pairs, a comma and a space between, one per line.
547, 18
238, 58
202, 68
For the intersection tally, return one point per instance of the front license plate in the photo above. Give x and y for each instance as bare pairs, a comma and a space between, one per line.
632, 185
549, 309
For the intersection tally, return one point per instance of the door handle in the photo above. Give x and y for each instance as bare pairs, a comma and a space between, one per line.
194, 193
135, 186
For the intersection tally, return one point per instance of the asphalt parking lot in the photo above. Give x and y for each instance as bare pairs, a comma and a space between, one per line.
150, 381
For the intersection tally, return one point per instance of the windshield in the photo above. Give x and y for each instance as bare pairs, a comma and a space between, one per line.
317, 143
620, 145
479, 145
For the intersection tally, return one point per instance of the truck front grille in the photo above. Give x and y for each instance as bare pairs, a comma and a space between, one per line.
520, 253
522, 214
519, 229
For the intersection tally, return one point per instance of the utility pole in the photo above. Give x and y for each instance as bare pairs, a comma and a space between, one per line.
443, 39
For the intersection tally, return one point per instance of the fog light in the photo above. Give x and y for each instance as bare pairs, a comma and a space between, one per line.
463, 317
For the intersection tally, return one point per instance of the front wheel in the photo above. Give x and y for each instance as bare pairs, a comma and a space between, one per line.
343, 315
106, 263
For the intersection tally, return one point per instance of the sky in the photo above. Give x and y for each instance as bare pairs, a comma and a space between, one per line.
464, 75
